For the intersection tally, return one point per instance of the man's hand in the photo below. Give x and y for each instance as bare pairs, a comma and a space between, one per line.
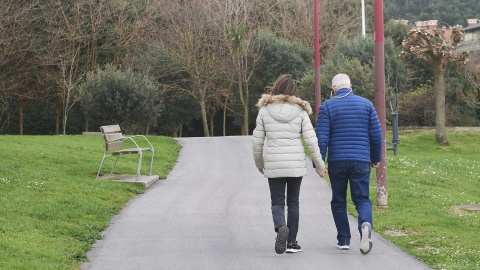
322, 172
261, 171
374, 165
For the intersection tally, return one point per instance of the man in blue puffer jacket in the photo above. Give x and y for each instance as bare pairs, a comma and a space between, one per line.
348, 126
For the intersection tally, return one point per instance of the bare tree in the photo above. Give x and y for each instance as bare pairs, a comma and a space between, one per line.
68, 83
192, 40
68, 38
20, 56
293, 20
432, 47
245, 50
130, 23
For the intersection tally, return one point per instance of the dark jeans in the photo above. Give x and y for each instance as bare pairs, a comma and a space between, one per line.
358, 173
277, 194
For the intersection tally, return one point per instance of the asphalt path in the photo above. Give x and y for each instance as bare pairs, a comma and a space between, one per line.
213, 212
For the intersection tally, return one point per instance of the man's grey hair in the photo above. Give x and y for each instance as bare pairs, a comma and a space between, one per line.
340, 79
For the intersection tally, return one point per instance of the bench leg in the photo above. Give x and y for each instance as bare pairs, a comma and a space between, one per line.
101, 164
151, 163
139, 164
115, 164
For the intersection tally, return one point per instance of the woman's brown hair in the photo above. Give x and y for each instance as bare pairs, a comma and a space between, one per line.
284, 85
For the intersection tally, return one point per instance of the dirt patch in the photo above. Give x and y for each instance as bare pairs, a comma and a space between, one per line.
425, 247
469, 207
400, 232
395, 233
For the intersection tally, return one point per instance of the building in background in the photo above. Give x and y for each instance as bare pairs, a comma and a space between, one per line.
431, 24
471, 41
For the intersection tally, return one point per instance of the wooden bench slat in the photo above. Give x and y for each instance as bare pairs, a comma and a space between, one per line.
110, 129
131, 151
112, 136
114, 145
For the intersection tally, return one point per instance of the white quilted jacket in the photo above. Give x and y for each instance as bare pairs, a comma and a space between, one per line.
281, 122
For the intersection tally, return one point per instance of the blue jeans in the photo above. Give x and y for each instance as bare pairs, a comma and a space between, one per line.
359, 175
277, 194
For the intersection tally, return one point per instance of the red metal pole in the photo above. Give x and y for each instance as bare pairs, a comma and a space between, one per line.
318, 97
382, 195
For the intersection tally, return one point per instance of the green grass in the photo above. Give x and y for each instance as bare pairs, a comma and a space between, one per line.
51, 207
424, 181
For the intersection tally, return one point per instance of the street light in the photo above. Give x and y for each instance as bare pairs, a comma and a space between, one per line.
363, 18
318, 98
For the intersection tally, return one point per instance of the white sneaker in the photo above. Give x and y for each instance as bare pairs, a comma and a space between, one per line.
366, 241
343, 247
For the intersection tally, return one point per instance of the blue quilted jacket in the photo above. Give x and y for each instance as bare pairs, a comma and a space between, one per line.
348, 125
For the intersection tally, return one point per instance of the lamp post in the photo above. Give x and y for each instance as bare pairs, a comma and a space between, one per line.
318, 97
380, 102
363, 18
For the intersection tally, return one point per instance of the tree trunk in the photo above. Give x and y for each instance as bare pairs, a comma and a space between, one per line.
204, 119
245, 118
180, 129
175, 131
58, 109
20, 111
244, 101
245, 109
86, 125
440, 110
64, 124
210, 120
225, 117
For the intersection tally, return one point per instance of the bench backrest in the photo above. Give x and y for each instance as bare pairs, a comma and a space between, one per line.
110, 133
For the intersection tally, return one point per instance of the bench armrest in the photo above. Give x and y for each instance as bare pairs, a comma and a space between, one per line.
131, 138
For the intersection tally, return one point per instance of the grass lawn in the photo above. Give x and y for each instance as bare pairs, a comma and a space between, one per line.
425, 181
52, 208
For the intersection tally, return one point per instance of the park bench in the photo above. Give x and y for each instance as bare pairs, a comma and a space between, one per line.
114, 143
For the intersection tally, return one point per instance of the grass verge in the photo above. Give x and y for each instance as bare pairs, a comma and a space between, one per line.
52, 208
425, 181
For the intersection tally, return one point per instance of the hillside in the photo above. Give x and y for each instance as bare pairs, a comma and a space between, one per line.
449, 12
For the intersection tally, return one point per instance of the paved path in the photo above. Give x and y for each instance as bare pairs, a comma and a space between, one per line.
213, 212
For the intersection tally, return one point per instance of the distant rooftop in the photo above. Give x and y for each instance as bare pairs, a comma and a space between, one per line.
433, 24
472, 27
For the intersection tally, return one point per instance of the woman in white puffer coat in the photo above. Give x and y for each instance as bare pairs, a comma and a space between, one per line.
282, 121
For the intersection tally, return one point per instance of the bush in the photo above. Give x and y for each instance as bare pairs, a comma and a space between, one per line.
417, 108
127, 98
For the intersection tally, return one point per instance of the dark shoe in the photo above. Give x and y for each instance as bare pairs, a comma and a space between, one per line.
343, 247
366, 241
344, 244
293, 247
281, 240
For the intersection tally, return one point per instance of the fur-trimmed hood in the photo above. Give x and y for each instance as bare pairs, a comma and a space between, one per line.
283, 108
269, 99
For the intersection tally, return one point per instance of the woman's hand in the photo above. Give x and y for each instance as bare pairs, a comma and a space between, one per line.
261, 170
322, 172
